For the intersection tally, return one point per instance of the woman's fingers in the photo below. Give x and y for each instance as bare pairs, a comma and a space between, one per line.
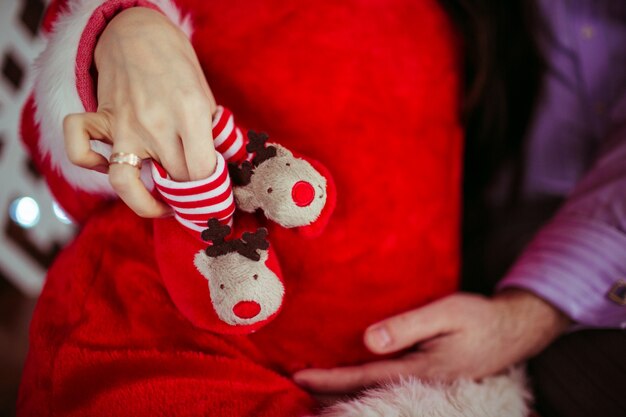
171, 155
186, 155
197, 139
126, 181
184, 148
79, 130
200, 156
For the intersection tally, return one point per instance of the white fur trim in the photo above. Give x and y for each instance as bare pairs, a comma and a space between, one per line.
56, 95
505, 395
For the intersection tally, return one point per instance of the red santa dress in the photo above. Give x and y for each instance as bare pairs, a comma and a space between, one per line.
368, 88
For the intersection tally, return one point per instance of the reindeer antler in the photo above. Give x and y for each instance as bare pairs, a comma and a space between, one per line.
250, 242
216, 231
216, 234
256, 145
246, 246
241, 175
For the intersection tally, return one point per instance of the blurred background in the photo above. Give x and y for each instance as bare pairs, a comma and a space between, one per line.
32, 227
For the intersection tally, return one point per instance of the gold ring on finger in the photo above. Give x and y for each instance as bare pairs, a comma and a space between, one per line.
126, 159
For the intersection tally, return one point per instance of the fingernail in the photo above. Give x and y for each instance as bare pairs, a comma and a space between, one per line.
301, 382
167, 214
102, 168
379, 337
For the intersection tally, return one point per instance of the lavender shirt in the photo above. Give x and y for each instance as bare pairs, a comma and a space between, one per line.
577, 147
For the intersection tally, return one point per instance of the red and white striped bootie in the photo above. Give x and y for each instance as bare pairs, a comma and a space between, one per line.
223, 278
291, 190
230, 284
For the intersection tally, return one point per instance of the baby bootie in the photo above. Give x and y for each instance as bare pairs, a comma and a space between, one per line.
291, 190
228, 285
245, 290
223, 278
223, 275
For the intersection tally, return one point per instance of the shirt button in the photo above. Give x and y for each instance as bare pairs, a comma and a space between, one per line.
617, 293
587, 31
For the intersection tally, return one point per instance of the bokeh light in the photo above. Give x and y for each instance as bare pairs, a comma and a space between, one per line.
60, 213
25, 212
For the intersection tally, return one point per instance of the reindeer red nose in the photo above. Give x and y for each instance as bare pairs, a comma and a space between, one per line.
246, 309
302, 193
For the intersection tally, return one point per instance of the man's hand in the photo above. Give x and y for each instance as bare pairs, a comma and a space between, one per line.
461, 335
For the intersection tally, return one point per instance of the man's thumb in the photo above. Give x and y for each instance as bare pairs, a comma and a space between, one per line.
407, 329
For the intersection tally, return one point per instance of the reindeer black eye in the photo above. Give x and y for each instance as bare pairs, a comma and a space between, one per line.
255, 276
221, 286
269, 190
288, 164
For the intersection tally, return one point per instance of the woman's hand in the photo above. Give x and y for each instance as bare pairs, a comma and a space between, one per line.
461, 335
153, 101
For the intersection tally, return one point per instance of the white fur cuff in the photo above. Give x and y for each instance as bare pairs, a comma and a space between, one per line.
498, 396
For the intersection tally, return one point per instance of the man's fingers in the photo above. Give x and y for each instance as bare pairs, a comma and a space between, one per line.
79, 130
406, 329
348, 379
127, 183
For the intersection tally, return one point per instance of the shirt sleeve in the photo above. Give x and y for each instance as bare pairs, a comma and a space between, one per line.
577, 262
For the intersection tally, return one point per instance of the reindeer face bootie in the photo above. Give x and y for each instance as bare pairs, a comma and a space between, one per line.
223, 279
229, 285
220, 270
244, 290
288, 189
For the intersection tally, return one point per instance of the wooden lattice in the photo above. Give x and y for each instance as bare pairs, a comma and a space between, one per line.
24, 253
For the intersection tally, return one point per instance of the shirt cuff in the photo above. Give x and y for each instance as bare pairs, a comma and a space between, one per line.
579, 266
